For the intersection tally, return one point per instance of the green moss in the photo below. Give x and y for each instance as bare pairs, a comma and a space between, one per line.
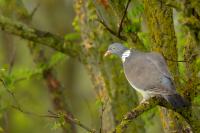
41, 37
160, 23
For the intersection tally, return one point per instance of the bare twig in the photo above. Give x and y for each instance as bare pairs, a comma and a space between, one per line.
188, 60
73, 120
107, 28
34, 114
103, 107
12, 60
174, 60
123, 17
111, 31
100, 19
34, 11
117, 34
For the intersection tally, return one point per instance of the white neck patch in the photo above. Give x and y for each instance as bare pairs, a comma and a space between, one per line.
125, 55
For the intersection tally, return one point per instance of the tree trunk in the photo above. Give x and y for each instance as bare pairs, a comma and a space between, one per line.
103, 72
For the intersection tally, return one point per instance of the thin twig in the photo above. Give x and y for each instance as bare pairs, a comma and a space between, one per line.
111, 31
73, 120
101, 20
174, 60
56, 116
123, 17
103, 107
12, 60
34, 11
52, 115
34, 114
11, 93
77, 122
107, 28
117, 34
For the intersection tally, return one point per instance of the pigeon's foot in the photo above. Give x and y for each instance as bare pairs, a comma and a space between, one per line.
144, 101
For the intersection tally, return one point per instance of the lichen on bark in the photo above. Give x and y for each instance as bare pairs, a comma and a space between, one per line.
160, 24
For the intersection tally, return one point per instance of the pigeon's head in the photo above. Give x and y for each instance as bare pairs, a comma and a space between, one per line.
116, 48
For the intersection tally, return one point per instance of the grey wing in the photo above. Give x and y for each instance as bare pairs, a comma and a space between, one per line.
159, 62
149, 73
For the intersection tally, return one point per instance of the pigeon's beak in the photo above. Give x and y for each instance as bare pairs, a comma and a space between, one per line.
107, 53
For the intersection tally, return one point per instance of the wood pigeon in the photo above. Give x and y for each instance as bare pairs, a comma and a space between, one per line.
147, 72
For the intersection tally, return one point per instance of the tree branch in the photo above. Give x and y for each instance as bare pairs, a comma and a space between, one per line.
46, 38
64, 115
57, 116
111, 31
123, 17
143, 107
129, 116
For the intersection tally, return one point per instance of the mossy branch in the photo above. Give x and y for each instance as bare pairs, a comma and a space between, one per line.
143, 107
42, 37
192, 22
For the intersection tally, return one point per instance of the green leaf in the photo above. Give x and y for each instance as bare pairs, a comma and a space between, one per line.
56, 58
98, 103
26, 73
72, 36
197, 100
56, 125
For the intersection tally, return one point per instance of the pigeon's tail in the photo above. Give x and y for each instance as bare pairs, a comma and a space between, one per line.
176, 101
